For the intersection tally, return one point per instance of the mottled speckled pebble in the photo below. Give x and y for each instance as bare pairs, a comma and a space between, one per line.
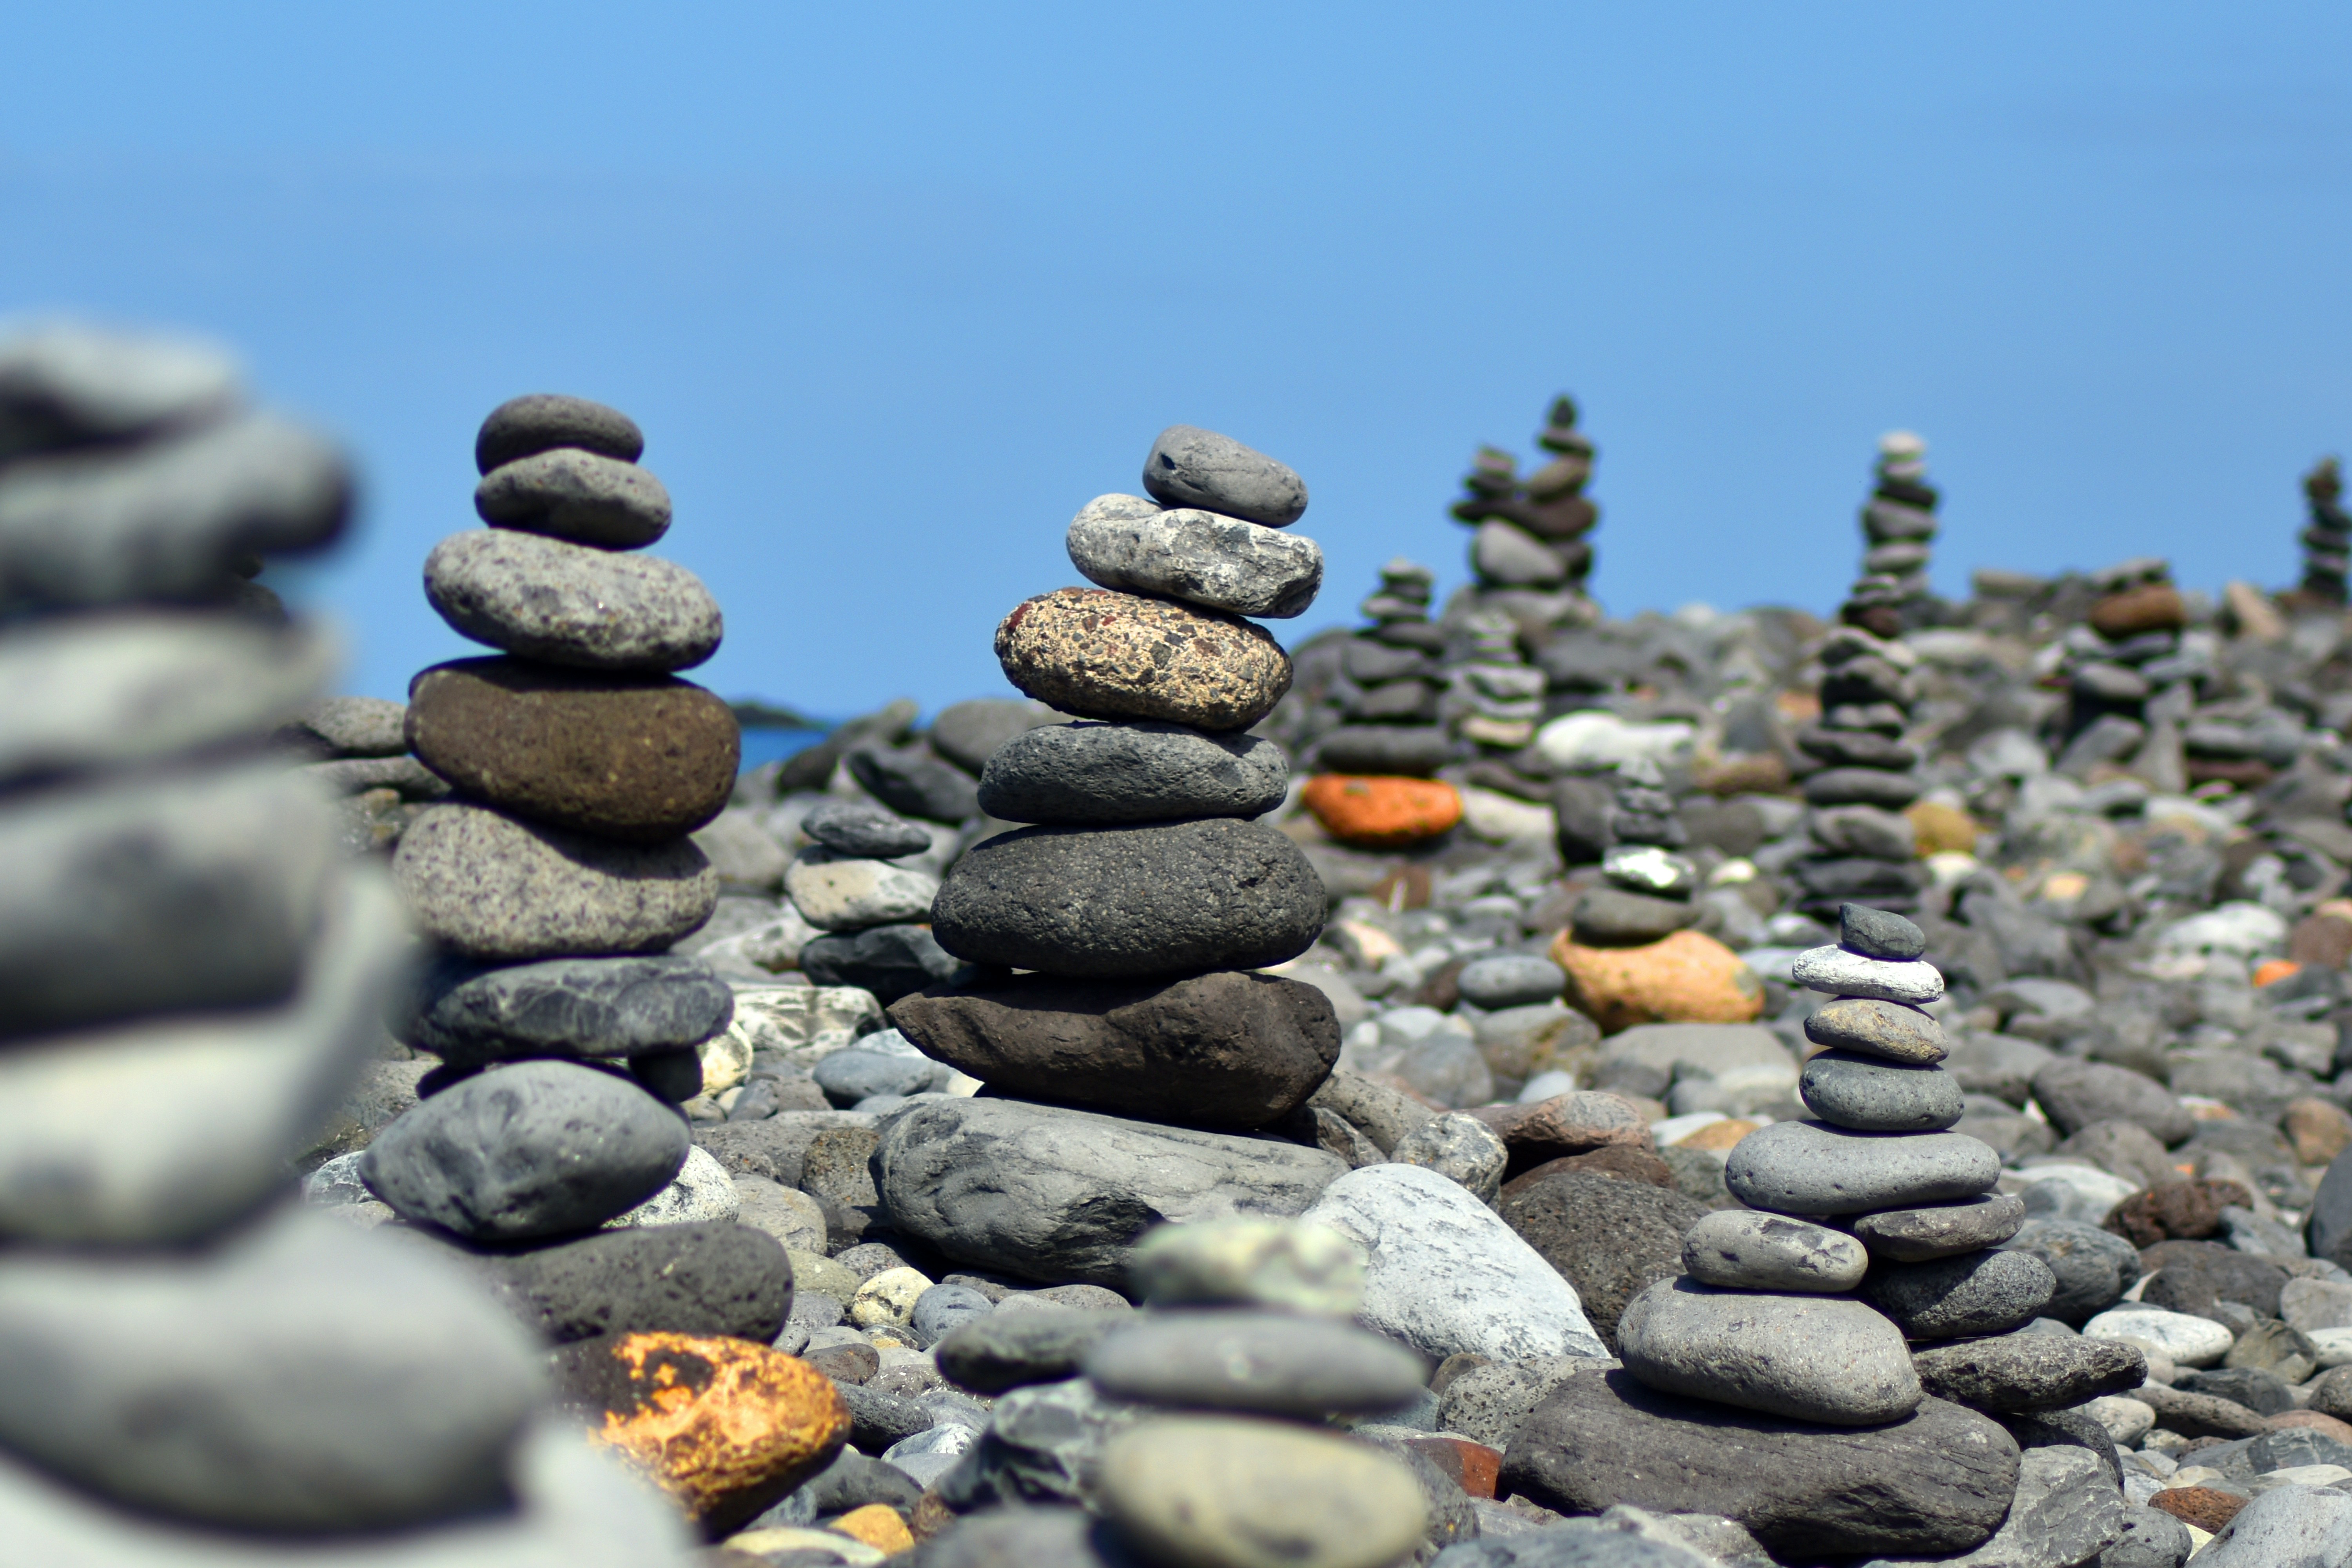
1120, 656
562, 603
1223, 562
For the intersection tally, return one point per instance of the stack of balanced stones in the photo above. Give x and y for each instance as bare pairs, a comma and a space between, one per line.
193, 972
1898, 522
2131, 686
552, 884
1494, 698
2326, 538
1864, 848
1389, 718
1531, 534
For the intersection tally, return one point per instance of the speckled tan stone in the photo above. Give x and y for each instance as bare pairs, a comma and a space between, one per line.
562, 603
1107, 654
1689, 978
492, 885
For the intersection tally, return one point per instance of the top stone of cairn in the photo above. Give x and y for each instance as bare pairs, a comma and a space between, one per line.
1192, 466
542, 421
1879, 933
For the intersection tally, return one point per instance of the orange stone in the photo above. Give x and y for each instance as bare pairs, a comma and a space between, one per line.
1687, 978
1942, 829
1377, 812
2151, 607
2206, 1508
1473, 1466
725, 1427
2273, 970
1720, 1135
878, 1525
2318, 1128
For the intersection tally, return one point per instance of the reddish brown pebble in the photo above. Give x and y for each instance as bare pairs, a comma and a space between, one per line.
1473, 1466
2204, 1507
2176, 1210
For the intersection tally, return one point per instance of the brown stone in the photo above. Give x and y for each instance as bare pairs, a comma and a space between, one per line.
725, 1427
638, 758
2246, 773
1227, 1048
2150, 607
1940, 828
2176, 1210
2318, 1421
1720, 1136
2207, 1508
1687, 978
1473, 1466
2321, 939
878, 1525
2319, 1129
847, 1363
1106, 655
1625, 1163
1572, 1123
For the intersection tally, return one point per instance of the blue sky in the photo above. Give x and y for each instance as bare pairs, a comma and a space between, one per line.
894, 290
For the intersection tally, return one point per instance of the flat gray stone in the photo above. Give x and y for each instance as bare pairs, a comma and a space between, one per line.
562, 603
2028, 1371
1988, 1292
1062, 1195
1808, 1357
144, 895
1811, 1168
1712, 1050
1223, 562
856, 827
71, 386
968, 734
492, 885
1879, 933
1870, 1094
315, 1378
1158, 898
1943, 1230
1268, 1362
541, 421
1877, 1029
539, 1149
1410, 751
1093, 773
1842, 973
1446, 1275
200, 1115
1746, 1250
2076, 1094
1511, 980
468, 1012
165, 518
1009, 1349
103, 690
887, 961
1860, 787
1192, 466
1508, 556
568, 493
2066, 1513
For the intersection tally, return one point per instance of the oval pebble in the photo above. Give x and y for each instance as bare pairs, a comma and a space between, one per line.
1811, 1168
1945, 1230
553, 600
1867, 1094
1188, 465
1222, 562
1843, 973
1109, 654
1259, 1494
1743, 1249
539, 421
2186, 1340
576, 495
1264, 1363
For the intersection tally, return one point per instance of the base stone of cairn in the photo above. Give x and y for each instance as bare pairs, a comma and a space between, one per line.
201, 1371
1136, 1055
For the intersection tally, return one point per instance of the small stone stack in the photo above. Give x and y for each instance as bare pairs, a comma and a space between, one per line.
553, 883
872, 911
1595, 812
2326, 538
193, 975
1531, 534
2130, 689
1494, 698
1899, 521
1863, 846
1389, 724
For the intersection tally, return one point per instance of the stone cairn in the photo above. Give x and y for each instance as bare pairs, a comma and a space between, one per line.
2130, 687
1863, 846
199, 1370
1389, 712
1494, 697
2326, 538
1531, 533
1898, 522
548, 1147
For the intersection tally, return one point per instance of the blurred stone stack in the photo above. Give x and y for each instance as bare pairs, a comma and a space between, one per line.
1863, 846
1392, 681
2326, 539
1899, 522
2131, 686
1494, 698
1529, 554
199, 1370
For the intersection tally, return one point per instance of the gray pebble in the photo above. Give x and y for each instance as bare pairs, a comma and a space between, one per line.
1810, 1168
1946, 1230
855, 827
852, 1076
2029, 1370
1975, 1293
968, 734
915, 782
1869, 1094
1879, 933
1746, 1250
568, 603
1877, 1029
943, 1309
67, 386
1125, 542
888, 961
1461, 1148
540, 421
1039, 1343
352, 727
1510, 980
1192, 466
1809, 1357
1134, 771
1270, 1363
576, 495
468, 1012
1860, 787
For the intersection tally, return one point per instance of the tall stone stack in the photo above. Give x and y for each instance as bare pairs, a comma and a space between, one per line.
1389, 716
1494, 697
2326, 538
1530, 536
2130, 685
552, 883
1863, 846
194, 972
1898, 522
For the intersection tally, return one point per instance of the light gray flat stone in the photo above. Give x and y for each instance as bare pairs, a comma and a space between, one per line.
1842, 973
1223, 562
1746, 1250
1808, 1357
69, 384
1811, 1168
1192, 466
835, 891
1133, 770
563, 602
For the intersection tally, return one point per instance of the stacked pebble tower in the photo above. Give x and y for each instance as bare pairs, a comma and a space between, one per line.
2130, 685
1780, 1313
1627, 804
553, 882
1531, 534
2327, 538
1494, 698
1863, 846
1899, 520
1389, 718
199, 1372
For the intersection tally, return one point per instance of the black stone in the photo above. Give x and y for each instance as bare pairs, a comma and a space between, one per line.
854, 828
709, 1279
889, 961
1877, 933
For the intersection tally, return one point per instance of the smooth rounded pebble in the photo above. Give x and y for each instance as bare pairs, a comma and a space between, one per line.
1869, 1094
1810, 1168
1221, 563
1141, 770
2030, 1371
1264, 1362
1975, 1293
1249, 1261
685, 1279
1860, 787
534, 1149
1809, 1357
562, 603
1156, 899
468, 1012
1013, 1349
540, 421
2184, 1339
1746, 1250
642, 758
1192, 466
68, 385
492, 885
1843, 973
1257, 1494
1107, 654
855, 827
576, 495
1511, 980
1879, 933
843, 892
1459, 1147
1946, 1230
1877, 1029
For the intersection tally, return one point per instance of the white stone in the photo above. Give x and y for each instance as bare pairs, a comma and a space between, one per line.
1445, 1274
2334, 1345
2186, 1340
2123, 1418
1493, 818
702, 1193
888, 1300
1595, 738
846, 892
928, 1456
1842, 973
2245, 930
2316, 1304
802, 1023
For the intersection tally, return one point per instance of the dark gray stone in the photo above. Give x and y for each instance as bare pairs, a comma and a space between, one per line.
2092, 1267
468, 1012
1510, 980
849, 1075
1024, 1537
1043, 1446
916, 783
1879, 933
1135, 770
1012, 1349
561, 603
855, 827
1410, 751
943, 1309
2075, 1094
888, 961
2287, 1527
1609, 1237
1158, 899
1811, 1168
1944, 1230
2148, 1538
542, 421
1988, 1292
1938, 1480
879, 1418
709, 1279
2029, 1370
1192, 466
673, 1076
1870, 1094
571, 494
1611, 917
538, 1149
1199, 557
968, 734
1270, 1363
1860, 787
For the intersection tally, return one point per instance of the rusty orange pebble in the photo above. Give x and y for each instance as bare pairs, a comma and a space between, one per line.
1355, 809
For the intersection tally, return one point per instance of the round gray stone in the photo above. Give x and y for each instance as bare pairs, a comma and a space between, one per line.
350, 727
1270, 1363
1811, 1168
468, 1012
1976, 1293
707, 1277
2092, 1267
1879, 933
491, 886
539, 1149
914, 783
1510, 980
576, 495
1946, 1230
2079, 1093
553, 600
1138, 771
1192, 466
1877, 1029
1151, 900
855, 827
539, 421
1126, 542
1869, 1094
1813, 1358
1741, 1249
943, 1309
